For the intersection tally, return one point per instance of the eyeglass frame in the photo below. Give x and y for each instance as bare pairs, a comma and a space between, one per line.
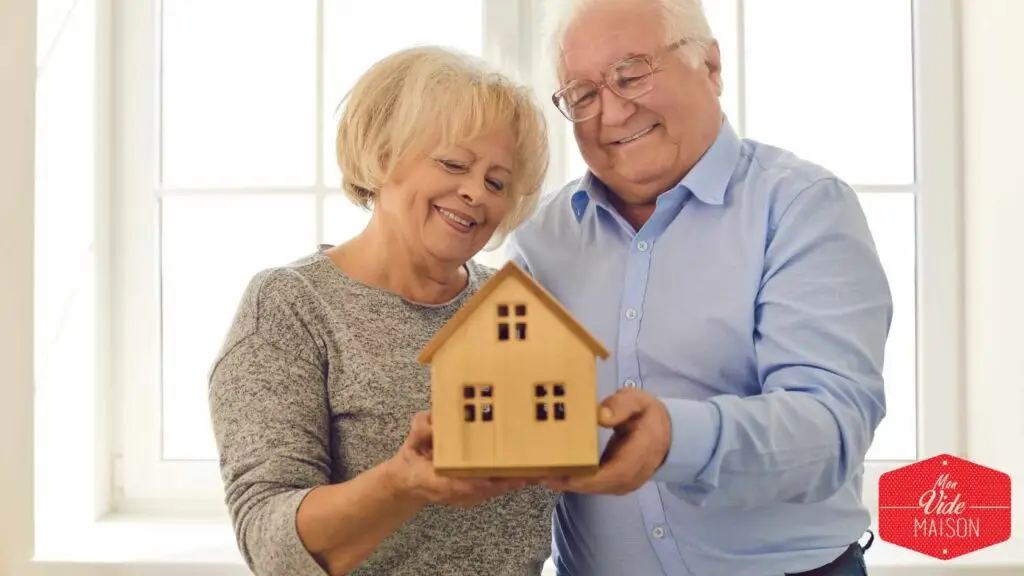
649, 59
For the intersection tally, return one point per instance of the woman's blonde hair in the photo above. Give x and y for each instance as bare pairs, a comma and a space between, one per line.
429, 96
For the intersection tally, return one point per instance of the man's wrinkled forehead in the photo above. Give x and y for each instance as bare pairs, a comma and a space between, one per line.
589, 55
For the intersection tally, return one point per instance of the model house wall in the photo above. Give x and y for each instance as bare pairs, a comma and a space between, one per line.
514, 389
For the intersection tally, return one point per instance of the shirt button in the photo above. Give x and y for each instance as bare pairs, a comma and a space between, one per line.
658, 532
631, 314
629, 383
641, 246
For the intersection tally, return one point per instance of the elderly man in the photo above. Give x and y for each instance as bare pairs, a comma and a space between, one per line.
741, 291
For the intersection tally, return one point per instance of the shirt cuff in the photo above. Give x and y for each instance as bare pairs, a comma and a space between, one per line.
695, 429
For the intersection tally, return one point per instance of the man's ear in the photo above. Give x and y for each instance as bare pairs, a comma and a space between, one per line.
713, 60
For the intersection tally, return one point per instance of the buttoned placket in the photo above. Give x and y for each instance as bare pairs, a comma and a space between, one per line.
637, 275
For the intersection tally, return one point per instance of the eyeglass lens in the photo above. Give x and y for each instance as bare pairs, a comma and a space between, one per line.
629, 79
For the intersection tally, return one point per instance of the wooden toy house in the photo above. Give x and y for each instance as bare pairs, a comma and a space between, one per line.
513, 384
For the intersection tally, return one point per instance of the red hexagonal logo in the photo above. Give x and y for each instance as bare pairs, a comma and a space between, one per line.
944, 507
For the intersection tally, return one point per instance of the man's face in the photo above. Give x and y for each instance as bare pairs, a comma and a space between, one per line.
641, 147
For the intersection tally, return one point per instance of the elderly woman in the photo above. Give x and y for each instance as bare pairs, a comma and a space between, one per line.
314, 390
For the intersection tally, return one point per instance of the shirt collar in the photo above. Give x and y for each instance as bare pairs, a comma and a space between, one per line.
707, 180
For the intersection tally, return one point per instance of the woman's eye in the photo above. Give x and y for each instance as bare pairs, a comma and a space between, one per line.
496, 185
452, 166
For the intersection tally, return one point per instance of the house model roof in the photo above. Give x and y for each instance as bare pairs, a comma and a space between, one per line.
510, 269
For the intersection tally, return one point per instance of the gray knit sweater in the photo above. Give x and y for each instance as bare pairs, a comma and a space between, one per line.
316, 383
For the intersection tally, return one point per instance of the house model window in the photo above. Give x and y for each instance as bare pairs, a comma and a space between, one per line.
505, 322
478, 404
540, 393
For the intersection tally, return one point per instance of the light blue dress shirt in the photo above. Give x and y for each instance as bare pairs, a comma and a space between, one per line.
753, 303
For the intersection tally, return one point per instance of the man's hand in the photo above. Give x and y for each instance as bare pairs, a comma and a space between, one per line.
643, 434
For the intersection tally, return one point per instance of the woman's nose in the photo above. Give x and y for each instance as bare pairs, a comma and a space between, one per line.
471, 192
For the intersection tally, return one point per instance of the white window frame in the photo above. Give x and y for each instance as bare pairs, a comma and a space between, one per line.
147, 483
941, 427
939, 281
91, 527
144, 482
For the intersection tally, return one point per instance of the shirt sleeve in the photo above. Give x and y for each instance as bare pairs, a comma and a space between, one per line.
269, 414
822, 318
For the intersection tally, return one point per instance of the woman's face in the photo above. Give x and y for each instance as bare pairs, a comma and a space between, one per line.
447, 204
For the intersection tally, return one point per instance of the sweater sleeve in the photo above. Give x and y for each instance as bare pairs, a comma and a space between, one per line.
269, 413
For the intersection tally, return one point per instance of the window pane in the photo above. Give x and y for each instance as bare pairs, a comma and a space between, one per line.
495, 258
342, 219
833, 82
357, 34
211, 248
891, 218
721, 16
239, 93
51, 18
576, 167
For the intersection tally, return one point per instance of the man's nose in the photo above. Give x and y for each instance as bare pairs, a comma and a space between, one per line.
615, 109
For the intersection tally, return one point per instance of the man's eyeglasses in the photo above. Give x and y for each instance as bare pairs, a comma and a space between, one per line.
629, 78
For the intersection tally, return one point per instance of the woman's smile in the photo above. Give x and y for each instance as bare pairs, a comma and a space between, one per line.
457, 220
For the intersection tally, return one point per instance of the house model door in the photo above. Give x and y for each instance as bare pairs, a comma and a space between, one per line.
479, 438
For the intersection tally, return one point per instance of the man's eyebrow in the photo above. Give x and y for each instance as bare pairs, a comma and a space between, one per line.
621, 60
628, 56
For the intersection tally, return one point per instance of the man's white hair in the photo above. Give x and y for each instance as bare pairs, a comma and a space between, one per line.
683, 19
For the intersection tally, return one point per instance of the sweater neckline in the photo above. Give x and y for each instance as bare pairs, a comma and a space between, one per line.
471, 282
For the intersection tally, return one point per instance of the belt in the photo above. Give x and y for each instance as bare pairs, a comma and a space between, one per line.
827, 570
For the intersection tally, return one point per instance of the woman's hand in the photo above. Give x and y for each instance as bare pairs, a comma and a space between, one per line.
412, 470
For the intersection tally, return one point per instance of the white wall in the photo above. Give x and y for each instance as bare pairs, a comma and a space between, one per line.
993, 61
17, 172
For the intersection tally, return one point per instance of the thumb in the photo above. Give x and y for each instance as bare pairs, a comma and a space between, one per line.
620, 408
421, 433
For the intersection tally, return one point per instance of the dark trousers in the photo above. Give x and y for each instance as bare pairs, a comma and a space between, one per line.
849, 563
